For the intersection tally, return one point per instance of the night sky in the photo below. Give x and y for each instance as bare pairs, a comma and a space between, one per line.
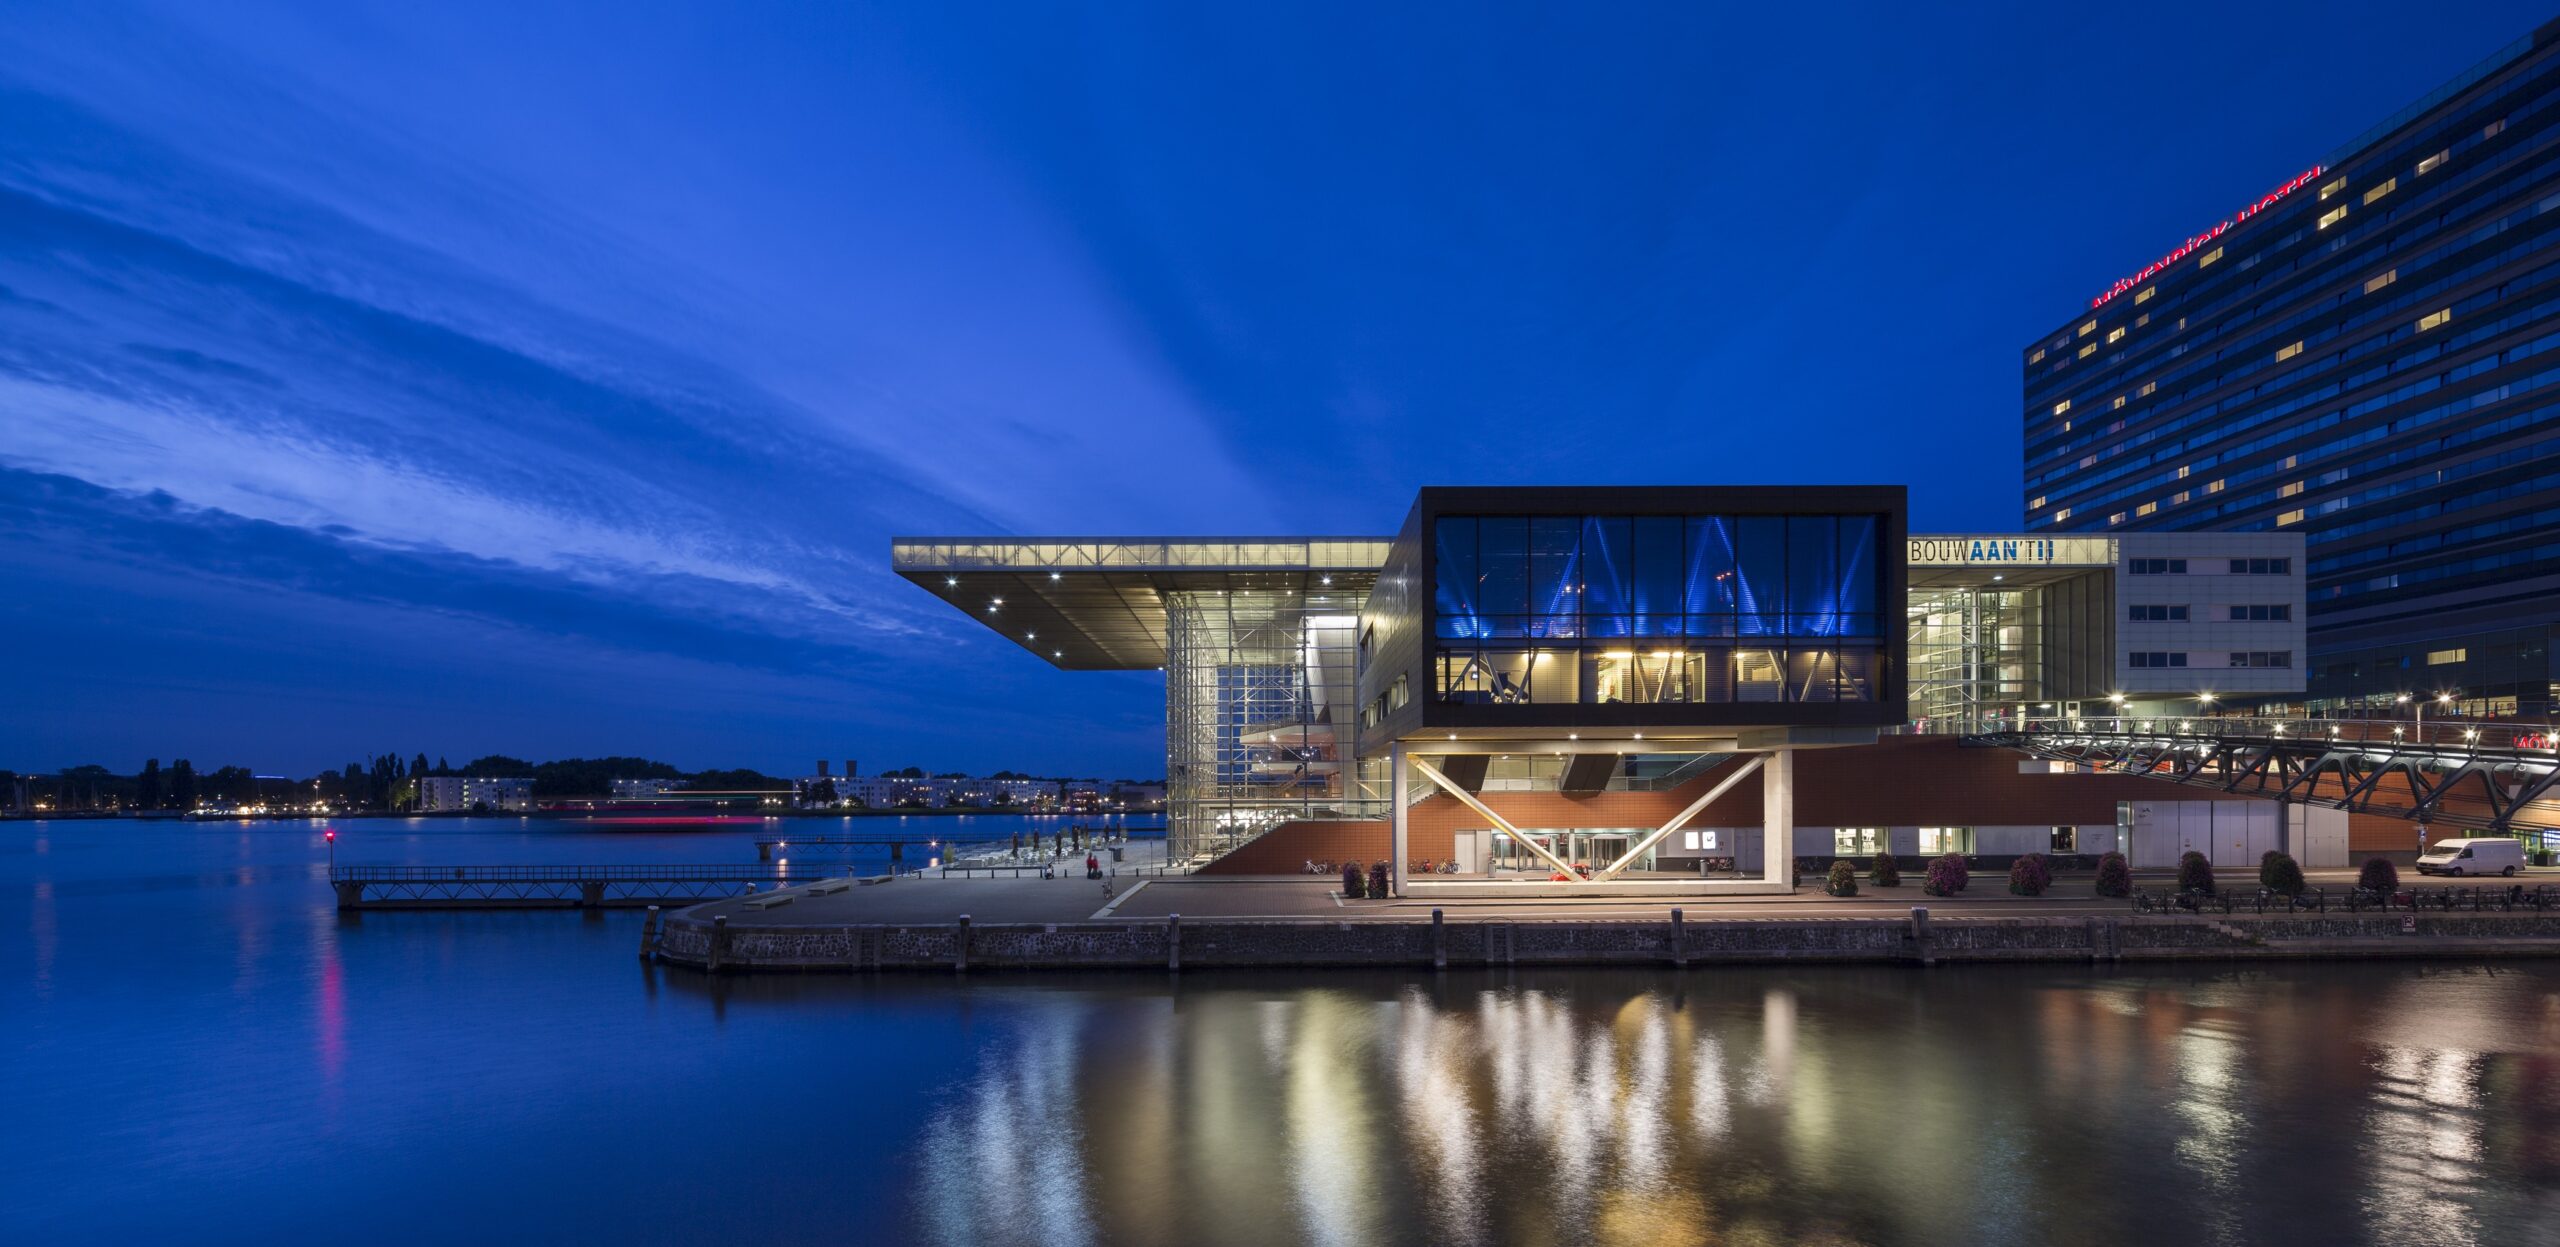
547, 380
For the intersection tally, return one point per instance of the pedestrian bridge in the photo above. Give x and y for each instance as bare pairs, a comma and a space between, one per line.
2484, 776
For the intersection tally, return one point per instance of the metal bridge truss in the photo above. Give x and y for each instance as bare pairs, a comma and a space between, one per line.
2499, 780
491, 887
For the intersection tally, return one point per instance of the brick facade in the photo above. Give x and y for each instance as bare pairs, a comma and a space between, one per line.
1900, 781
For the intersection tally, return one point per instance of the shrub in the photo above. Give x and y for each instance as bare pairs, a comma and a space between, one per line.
1884, 872
2195, 873
1844, 879
2280, 873
1354, 884
1378, 882
1946, 875
2028, 876
2115, 876
2379, 875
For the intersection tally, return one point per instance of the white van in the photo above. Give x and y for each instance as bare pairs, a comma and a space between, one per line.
2494, 855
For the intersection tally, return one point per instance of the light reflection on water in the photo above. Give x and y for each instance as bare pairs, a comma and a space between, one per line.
199, 1049
1846, 1106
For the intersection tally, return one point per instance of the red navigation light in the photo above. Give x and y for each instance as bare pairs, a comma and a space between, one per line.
332, 833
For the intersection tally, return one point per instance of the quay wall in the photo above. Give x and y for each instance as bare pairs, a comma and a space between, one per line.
1210, 944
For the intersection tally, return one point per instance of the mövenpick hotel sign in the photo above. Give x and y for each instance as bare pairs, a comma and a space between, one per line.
2012, 551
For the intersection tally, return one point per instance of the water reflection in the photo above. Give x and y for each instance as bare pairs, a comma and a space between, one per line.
1833, 1107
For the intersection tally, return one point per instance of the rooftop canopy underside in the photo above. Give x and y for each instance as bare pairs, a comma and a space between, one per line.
1097, 603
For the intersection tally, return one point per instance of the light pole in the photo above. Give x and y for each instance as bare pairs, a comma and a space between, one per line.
2442, 699
2204, 703
331, 836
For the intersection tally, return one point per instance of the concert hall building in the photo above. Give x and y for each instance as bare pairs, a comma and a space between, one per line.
1527, 684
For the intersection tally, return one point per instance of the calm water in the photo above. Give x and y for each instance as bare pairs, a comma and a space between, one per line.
202, 1050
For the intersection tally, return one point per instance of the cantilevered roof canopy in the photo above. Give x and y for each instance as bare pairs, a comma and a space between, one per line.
1096, 603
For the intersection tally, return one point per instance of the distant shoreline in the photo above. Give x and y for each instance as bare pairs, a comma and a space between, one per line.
562, 816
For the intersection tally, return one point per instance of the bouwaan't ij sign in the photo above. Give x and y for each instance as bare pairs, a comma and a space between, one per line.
2188, 248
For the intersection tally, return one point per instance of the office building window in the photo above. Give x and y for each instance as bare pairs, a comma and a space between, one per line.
2434, 318
2262, 658
2156, 614
2442, 657
1937, 840
2260, 567
1856, 841
2154, 659
2066, 840
2156, 567
1698, 841
2262, 614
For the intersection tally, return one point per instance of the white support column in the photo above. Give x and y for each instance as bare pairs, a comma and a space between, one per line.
1778, 817
1399, 775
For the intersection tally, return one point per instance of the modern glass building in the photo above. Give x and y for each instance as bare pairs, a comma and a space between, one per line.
2367, 355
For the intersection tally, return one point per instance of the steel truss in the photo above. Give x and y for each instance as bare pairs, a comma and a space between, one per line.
2459, 783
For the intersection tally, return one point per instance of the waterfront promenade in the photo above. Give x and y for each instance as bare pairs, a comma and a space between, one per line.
958, 924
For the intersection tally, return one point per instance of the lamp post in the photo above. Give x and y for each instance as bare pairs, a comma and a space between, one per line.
2204, 703
331, 836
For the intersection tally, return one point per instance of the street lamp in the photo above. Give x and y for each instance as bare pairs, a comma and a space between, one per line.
2442, 699
2204, 703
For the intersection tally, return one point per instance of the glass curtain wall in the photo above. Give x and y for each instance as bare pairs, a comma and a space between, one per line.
1976, 657
1260, 699
1656, 608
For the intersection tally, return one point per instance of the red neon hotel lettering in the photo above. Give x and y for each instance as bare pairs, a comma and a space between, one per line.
2299, 181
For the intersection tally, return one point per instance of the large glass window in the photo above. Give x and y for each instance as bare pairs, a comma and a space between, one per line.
1640, 608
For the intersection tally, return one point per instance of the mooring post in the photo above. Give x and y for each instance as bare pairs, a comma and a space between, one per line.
719, 943
649, 934
591, 895
960, 956
1173, 942
1920, 934
1679, 951
1439, 942
350, 895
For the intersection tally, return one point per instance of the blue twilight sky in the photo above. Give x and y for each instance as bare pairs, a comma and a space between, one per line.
548, 379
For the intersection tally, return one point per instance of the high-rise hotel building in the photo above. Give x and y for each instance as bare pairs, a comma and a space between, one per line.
2367, 354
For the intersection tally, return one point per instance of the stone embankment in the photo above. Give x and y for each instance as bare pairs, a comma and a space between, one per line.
1173, 944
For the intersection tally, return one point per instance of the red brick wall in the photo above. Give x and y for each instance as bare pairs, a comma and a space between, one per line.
1901, 781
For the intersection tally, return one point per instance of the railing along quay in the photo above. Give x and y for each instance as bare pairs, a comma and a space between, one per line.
555, 887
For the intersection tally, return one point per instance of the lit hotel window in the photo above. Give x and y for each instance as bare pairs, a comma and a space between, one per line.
2429, 164
2289, 490
2335, 185
2182, 471
2388, 185
2382, 279
2119, 400
2490, 131
2062, 515
2434, 318
2147, 388
2146, 508
2333, 216
2207, 258
2066, 427
2089, 350
2038, 357
2037, 503
2293, 516
2116, 518
2143, 295
2181, 496
2288, 352
2116, 334
2214, 488
2087, 329
2061, 407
